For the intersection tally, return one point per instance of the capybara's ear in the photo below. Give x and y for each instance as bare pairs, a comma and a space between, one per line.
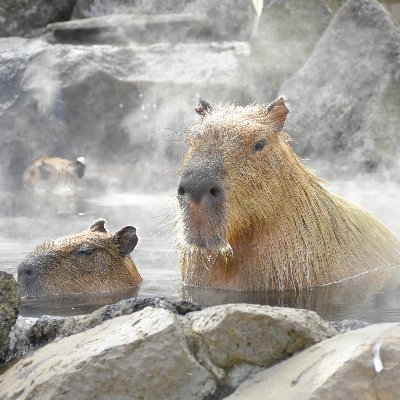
126, 240
98, 226
203, 107
80, 166
45, 170
277, 112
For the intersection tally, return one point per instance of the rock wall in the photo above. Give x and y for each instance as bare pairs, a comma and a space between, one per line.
20, 17
345, 100
117, 83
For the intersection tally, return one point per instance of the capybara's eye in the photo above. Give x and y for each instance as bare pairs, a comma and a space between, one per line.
259, 145
85, 251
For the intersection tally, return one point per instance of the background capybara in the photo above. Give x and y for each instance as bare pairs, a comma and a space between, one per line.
91, 261
253, 217
50, 173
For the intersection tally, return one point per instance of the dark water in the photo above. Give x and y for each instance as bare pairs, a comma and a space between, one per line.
374, 297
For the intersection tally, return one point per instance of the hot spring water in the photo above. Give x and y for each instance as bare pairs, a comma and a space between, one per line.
373, 300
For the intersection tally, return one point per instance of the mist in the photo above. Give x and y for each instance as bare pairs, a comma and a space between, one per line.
117, 82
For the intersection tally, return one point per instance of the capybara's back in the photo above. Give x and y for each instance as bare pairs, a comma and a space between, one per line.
253, 217
50, 173
87, 262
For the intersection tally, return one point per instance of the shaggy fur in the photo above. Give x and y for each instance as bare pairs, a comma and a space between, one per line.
280, 228
92, 261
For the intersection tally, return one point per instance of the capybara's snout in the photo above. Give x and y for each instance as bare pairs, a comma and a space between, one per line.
201, 184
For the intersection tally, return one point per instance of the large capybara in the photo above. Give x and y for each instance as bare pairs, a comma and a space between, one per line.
253, 217
92, 261
49, 173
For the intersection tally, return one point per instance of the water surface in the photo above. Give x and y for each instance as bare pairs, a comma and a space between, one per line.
375, 299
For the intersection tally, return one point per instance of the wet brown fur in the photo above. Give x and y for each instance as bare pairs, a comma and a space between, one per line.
62, 267
281, 229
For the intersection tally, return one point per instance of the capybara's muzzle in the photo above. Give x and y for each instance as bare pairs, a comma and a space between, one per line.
201, 199
201, 184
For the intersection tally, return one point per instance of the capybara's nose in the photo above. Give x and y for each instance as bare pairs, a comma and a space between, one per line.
198, 187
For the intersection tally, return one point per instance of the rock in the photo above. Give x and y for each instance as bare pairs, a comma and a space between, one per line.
286, 34
349, 325
108, 103
30, 334
19, 17
234, 341
347, 366
139, 356
128, 29
9, 305
159, 352
345, 102
229, 20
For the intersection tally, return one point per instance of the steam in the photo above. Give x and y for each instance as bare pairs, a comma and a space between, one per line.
41, 81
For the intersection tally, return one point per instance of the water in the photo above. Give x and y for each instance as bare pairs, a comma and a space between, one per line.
373, 300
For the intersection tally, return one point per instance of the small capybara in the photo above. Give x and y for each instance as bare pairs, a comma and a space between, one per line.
253, 217
92, 261
49, 173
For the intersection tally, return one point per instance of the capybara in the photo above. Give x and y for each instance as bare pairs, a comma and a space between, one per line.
253, 217
91, 261
49, 173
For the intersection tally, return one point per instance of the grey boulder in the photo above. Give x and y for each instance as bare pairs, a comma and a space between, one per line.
140, 356
286, 34
360, 364
345, 100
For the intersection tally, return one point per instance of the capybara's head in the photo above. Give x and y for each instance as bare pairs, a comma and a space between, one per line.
49, 172
92, 261
232, 172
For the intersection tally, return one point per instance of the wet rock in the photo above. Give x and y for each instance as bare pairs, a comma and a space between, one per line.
139, 356
19, 17
229, 20
30, 334
234, 341
358, 364
9, 305
286, 34
109, 103
345, 102
349, 325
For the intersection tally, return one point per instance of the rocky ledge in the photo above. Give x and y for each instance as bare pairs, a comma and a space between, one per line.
164, 351
157, 348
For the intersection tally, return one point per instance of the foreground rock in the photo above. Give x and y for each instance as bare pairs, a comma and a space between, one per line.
140, 356
155, 354
345, 99
361, 364
30, 334
9, 304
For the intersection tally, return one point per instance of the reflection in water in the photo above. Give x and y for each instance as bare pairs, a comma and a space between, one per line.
373, 297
